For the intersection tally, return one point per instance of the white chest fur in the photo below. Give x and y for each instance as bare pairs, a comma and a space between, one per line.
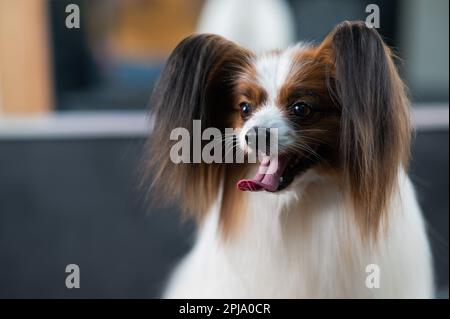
304, 243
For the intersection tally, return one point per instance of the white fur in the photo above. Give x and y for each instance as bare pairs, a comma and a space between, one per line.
286, 249
268, 117
273, 69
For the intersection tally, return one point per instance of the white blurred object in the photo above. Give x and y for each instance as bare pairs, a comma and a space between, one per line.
138, 124
259, 25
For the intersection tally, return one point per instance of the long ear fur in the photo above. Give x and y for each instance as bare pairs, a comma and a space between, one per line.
196, 84
375, 128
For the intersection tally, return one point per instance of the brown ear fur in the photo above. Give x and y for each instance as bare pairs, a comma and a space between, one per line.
375, 124
196, 84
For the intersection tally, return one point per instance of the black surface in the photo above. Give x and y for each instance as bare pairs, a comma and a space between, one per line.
65, 202
315, 19
74, 202
73, 64
430, 175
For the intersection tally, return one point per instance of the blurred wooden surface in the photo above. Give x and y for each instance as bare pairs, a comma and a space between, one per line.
25, 72
152, 28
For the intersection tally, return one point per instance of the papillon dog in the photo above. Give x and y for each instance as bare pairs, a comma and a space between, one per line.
337, 217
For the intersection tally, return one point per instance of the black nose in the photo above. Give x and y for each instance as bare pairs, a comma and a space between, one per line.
255, 135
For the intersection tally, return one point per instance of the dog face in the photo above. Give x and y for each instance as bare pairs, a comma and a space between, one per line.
287, 91
339, 105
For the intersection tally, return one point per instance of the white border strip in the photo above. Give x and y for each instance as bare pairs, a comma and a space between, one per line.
74, 125
105, 124
430, 116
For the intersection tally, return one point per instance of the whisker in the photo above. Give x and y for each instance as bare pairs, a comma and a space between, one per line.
305, 148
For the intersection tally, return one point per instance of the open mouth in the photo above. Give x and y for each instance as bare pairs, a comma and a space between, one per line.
274, 175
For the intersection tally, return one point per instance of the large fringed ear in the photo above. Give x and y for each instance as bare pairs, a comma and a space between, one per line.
375, 124
196, 84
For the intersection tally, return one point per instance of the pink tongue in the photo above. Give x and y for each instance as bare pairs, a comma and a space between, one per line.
263, 181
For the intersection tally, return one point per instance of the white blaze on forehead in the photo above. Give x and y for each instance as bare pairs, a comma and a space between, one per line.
272, 70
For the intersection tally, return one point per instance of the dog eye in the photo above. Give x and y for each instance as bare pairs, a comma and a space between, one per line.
302, 109
246, 109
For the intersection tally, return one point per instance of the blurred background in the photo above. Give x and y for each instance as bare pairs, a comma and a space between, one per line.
74, 116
